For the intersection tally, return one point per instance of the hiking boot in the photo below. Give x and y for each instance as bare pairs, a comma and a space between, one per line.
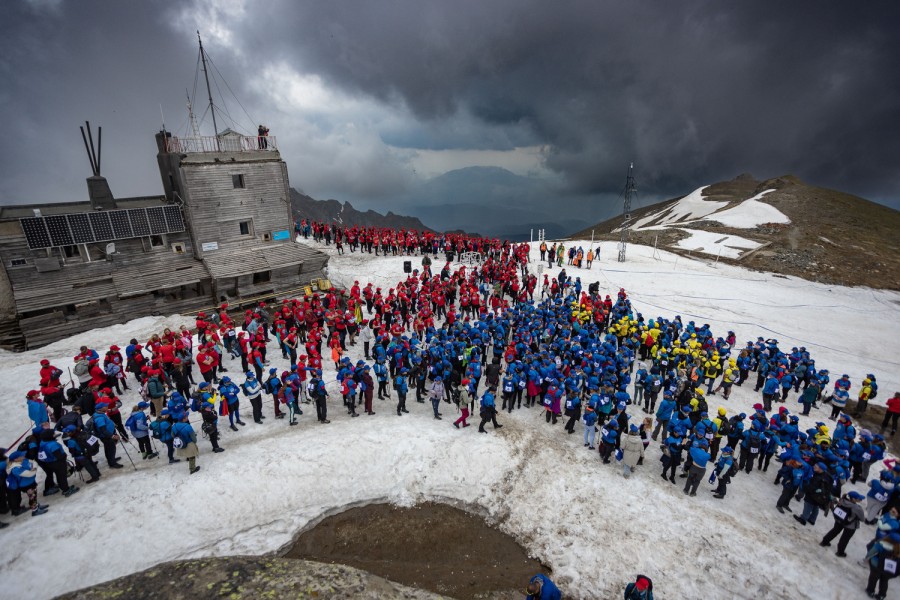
93, 480
233, 428
194, 470
218, 450
824, 544
70, 491
839, 553
241, 423
115, 466
39, 511
498, 426
438, 417
456, 425
800, 520
51, 491
172, 461
780, 509
153, 455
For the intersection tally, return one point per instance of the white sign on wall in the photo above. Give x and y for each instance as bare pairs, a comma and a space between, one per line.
207, 246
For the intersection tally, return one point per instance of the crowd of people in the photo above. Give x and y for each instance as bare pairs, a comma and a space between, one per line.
476, 339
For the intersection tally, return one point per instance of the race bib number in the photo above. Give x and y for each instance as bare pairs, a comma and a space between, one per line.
754, 450
91, 441
881, 496
709, 436
521, 385
42, 456
840, 513
178, 442
867, 456
604, 431
569, 404
890, 566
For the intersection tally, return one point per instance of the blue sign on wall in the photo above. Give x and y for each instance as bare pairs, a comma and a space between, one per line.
284, 234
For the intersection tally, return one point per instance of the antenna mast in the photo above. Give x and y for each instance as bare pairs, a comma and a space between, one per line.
195, 129
212, 109
626, 212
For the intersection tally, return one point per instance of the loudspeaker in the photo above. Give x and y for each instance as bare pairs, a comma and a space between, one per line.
407, 266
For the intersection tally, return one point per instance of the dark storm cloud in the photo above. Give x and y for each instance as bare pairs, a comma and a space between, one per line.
692, 91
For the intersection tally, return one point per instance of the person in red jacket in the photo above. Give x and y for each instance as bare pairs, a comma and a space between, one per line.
892, 413
207, 360
98, 375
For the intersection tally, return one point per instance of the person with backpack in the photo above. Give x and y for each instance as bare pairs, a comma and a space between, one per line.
653, 384
381, 374
883, 558
817, 494
700, 457
724, 470
184, 438
210, 424
316, 387
105, 429
640, 589
52, 458
488, 407
401, 386
162, 430
632, 451
139, 426
367, 386
22, 479
156, 390
847, 515
82, 449
273, 386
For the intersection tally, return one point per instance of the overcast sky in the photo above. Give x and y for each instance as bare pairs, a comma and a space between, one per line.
369, 98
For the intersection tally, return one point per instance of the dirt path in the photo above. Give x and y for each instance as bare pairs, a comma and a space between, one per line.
431, 546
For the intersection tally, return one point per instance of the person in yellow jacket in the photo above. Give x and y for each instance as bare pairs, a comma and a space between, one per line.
560, 255
862, 401
728, 379
721, 417
711, 370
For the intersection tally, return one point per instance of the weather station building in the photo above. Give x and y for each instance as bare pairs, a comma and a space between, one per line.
222, 231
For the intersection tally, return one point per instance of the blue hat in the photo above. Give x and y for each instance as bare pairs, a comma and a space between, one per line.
204, 384
727, 450
634, 429
854, 495
69, 429
17, 455
822, 466
164, 412
226, 379
101, 405
272, 371
250, 374
143, 405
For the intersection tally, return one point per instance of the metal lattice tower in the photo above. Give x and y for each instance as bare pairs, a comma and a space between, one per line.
630, 191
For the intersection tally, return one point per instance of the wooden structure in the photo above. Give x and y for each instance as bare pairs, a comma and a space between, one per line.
222, 231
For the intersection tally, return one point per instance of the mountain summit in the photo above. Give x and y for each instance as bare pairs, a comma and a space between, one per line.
782, 225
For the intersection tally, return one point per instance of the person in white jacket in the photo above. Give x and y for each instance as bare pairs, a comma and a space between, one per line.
435, 393
632, 450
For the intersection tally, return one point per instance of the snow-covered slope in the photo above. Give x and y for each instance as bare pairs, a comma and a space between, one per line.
593, 528
694, 209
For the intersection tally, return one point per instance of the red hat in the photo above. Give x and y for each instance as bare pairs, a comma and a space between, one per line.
223, 305
642, 584
106, 390
114, 348
177, 361
32, 393
45, 362
201, 314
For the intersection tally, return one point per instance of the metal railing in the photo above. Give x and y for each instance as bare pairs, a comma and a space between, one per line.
222, 143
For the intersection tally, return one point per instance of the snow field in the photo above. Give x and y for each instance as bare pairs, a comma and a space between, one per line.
591, 526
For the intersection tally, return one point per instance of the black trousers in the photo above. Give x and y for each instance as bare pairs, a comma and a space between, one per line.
846, 534
787, 492
321, 408
256, 404
877, 576
109, 449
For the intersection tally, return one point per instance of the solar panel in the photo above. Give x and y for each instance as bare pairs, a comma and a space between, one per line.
102, 229
80, 226
36, 233
101, 226
120, 224
139, 223
59, 230
174, 222
157, 220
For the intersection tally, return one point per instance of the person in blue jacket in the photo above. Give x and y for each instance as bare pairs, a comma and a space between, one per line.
401, 384
640, 589
76, 442
139, 426
229, 391
162, 430
37, 410
105, 429
52, 457
609, 435
723, 472
541, 588
663, 414
769, 391
700, 457
488, 409
22, 478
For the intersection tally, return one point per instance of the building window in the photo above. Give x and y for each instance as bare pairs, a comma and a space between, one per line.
262, 277
245, 227
237, 181
70, 251
157, 241
18, 262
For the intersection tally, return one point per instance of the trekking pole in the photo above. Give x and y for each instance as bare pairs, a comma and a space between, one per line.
125, 448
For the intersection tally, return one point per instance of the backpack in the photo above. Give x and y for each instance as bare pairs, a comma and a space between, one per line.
655, 385
725, 427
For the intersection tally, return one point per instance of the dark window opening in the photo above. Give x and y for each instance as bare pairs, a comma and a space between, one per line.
237, 181
245, 227
262, 277
156, 241
71, 251
18, 262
